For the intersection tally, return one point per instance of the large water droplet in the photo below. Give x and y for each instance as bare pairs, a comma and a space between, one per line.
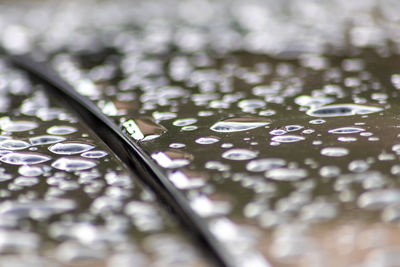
144, 129
239, 124
24, 158
46, 140
70, 148
61, 130
12, 144
346, 130
17, 126
73, 164
342, 110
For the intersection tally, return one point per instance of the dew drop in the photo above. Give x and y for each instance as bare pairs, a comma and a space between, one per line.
94, 154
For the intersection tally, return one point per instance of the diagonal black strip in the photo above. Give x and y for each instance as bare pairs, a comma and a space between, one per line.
131, 155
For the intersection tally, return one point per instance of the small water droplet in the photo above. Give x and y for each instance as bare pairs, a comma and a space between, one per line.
61, 130
239, 154
239, 124
334, 151
12, 144
206, 140
24, 158
46, 140
342, 110
287, 138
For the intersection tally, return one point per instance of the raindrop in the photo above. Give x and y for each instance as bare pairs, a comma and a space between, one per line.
24, 158
261, 165
286, 174
18, 126
61, 130
73, 164
70, 148
12, 144
206, 140
239, 124
184, 122
287, 138
378, 199
342, 110
30, 171
46, 140
334, 151
346, 130
239, 154
94, 154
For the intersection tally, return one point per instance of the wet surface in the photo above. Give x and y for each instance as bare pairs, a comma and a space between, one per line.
287, 144
67, 200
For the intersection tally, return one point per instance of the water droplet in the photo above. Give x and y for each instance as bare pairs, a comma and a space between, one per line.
70, 148
287, 138
286, 174
184, 122
24, 158
313, 101
176, 145
17, 126
334, 151
30, 171
378, 199
342, 110
46, 140
239, 124
206, 140
171, 159
73, 164
261, 165
346, 130
61, 130
12, 144
239, 154
94, 154
144, 129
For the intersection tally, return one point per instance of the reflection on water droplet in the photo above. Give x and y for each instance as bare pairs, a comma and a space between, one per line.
287, 138
61, 130
94, 154
239, 124
312, 101
12, 144
346, 130
342, 110
46, 139
171, 160
206, 140
286, 174
70, 148
24, 158
239, 154
334, 151
73, 164
17, 126
261, 165
143, 129
176, 145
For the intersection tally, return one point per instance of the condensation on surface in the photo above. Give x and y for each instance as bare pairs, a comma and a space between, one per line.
278, 120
